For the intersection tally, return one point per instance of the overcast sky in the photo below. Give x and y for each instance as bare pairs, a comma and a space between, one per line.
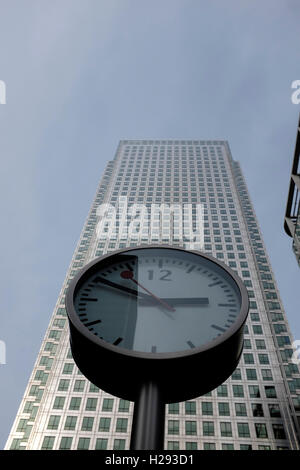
80, 76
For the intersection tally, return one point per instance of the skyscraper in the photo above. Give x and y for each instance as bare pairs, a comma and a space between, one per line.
258, 407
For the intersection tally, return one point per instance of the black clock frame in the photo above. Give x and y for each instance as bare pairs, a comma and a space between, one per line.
181, 376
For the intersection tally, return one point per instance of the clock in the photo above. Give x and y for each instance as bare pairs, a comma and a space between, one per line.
159, 313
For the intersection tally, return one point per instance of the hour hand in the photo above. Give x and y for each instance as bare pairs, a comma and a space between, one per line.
200, 301
125, 289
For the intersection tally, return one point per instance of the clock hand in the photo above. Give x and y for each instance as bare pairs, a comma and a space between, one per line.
118, 286
200, 301
129, 275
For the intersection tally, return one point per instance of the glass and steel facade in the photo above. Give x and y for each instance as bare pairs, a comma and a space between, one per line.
258, 407
292, 214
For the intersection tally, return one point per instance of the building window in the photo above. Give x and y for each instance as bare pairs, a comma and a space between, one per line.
87, 423
104, 424
243, 430
75, 403
257, 409
257, 330
209, 446
101, 444
173, 445
191, 445
63, 385
227, 447
254, 391
222, 391
224, 409
263, 359
191, 428
274, 411
107, 404
173, 426
119, 444
208, 428
260, 344
79, 386
124, 406
248, 358
15, 445
207, 408
174, 408
121, 425
236, 375
68, 368
91, 404
238, 391
240, 409
266, 374
226, 430
53, 422
48, 443
59, 403
65, 443
251, 374
83, 443
93, 388
261, 430
278, 431
270, 392
70, 423
190, 407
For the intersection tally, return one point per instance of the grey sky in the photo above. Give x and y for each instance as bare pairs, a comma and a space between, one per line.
80, 76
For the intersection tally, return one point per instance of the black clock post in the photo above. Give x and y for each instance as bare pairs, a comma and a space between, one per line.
148, 423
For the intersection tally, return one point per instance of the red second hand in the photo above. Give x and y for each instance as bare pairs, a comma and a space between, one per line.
129, 275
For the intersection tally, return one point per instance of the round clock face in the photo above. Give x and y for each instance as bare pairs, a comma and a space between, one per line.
158, 300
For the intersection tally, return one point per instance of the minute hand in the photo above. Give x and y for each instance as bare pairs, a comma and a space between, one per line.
178, 301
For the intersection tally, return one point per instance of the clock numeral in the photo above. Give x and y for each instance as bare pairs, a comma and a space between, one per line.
165, 275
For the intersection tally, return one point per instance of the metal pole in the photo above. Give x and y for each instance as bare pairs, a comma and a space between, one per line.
148, 419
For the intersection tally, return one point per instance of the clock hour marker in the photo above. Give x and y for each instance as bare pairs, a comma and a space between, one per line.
214, 284
117, 341
216, 327
191, 269
226, 305
88, 300
153, 349
191, 344
92, 323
